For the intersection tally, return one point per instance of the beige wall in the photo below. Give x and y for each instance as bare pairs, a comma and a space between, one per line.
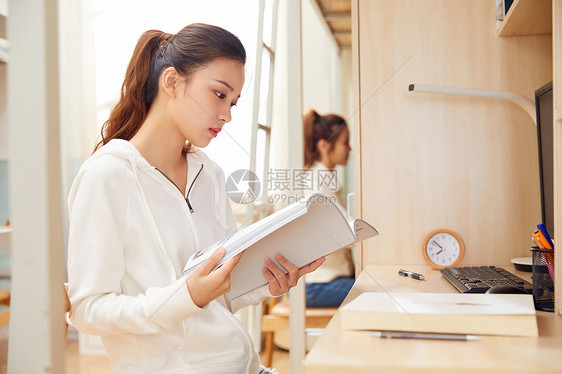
432, 161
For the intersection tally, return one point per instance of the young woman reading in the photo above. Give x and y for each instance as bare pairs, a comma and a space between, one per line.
148, 198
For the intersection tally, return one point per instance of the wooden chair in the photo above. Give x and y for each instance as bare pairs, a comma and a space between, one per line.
4, 301
275, 317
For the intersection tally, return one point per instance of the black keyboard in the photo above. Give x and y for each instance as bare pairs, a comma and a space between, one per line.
478, 279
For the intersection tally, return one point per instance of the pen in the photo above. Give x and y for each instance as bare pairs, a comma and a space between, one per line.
545, 234
423, 335
411, 274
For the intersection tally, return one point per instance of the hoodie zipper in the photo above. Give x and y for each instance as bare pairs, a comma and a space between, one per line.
191, 186
188, 191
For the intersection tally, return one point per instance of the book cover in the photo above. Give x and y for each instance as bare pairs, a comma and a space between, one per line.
302, 232
487, 314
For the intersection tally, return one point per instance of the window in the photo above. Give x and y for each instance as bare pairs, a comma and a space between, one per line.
263, 94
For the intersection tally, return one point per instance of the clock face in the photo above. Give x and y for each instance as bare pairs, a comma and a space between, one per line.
443, 248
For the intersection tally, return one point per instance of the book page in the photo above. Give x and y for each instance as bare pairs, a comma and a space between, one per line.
362, 230
247, 236
318, 233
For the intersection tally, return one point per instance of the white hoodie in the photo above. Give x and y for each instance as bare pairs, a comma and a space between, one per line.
131, 232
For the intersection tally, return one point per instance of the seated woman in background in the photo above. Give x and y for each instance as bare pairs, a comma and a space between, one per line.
326, 145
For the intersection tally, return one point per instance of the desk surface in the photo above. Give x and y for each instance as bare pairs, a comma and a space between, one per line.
340, 351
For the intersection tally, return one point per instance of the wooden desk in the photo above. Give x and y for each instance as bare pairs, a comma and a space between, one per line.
339, 351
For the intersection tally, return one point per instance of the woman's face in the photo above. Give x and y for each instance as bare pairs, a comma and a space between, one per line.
204, 102
339, 153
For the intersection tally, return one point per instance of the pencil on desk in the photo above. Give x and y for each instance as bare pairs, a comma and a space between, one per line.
423, 335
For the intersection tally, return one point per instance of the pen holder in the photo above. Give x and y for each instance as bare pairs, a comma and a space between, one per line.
543, 279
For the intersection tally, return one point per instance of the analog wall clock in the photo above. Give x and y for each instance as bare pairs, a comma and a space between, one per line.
443, 248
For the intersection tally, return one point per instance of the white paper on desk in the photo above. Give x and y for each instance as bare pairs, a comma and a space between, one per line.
443, 303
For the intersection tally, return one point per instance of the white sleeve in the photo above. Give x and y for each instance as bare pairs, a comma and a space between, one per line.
97, 239
251, 298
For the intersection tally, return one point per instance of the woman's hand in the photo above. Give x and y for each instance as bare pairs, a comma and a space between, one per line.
206, 284
279, 282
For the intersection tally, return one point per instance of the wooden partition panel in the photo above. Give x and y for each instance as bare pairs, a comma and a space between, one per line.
355, 122
557, 90
433, 161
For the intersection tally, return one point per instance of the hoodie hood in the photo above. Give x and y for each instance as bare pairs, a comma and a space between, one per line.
198, 162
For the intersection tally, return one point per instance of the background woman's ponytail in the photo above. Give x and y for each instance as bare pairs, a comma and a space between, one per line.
192, 48
309, 144
316, 128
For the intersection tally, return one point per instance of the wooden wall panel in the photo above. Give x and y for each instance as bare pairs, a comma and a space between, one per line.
433, 161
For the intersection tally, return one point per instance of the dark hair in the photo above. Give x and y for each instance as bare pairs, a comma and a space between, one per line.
192, 48
316, 128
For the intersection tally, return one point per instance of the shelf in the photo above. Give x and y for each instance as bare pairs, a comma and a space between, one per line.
527, 17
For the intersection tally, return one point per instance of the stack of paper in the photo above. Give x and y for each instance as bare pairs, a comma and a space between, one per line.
493, 314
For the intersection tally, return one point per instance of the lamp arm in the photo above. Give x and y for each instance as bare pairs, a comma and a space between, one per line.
527, 105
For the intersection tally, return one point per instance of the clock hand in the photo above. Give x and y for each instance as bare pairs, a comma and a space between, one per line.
439, 252
437, 244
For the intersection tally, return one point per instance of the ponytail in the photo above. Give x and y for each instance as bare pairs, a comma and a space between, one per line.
130, 111
309, 144
317, 127
192, 48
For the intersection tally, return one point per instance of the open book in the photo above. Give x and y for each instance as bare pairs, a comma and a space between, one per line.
302, 232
